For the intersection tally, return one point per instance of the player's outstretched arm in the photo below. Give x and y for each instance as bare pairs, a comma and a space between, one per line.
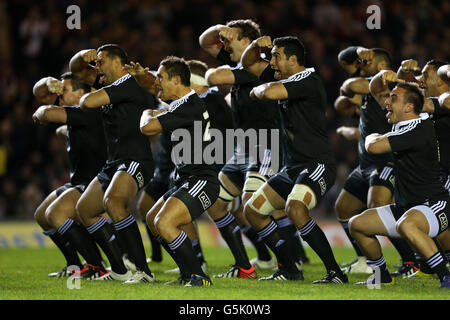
149, 124
348, 59
50, 113
349, 133
348, 106
251, 58
379, 85
47, 89
376, 143
219, 76
209, 40
94, 99
144, 77
269, 91
80, 67
357, 85
406, 69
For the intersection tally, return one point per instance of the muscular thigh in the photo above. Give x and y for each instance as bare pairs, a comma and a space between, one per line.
123, 186
90, 203
63, 207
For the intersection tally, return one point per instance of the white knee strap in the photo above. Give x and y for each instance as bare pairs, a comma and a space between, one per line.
259, 203
253, 182
304, 194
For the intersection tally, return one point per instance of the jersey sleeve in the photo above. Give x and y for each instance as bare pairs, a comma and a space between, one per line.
404, 139
179, 117
242, 76
300, 85
268, 74
75, 116
121, 91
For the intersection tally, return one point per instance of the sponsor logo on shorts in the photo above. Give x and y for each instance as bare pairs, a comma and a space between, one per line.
323, 186
392, 180
140, 179
444, 222
204, 199
185, 186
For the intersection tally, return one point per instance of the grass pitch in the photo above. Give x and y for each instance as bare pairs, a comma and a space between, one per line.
23, 276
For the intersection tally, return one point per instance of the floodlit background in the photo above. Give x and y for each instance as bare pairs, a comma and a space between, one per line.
35, 42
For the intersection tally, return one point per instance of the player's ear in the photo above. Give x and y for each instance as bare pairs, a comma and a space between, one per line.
293, 60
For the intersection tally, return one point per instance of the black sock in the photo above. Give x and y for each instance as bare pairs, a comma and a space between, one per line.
156, 246
290, 234
447, 255
355, 245
317, 240
182, 247
404, 249
231, 233
128, 231
65, 247
424, 267
101, 231
185, 273
198, 250
437, 263
74, 233
261, 249
272, 237
120, 242
380, 264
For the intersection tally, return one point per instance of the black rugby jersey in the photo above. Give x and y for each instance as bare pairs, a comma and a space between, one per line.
441, 118
121, 119
416, 166
372, 119
303, 119
86, 144
220, 117
189, 114
248, 113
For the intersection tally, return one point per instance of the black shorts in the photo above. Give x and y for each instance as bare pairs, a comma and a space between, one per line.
197, 193
319, 177
445, 178
67, 186
140, 171
160, 184
237, 167
360, 180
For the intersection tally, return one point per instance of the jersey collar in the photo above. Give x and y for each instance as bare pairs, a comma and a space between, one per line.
422, 116
182, 99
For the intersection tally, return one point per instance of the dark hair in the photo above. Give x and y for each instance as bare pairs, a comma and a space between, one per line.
249, 28
413, 95
76, 82
115, 51
197, 67
176, 66
292, 47
436, 63
382, 54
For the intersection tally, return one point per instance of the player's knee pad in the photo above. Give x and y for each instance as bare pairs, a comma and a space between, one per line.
253, 182
259, 203
304, 194
233, 206
224, 193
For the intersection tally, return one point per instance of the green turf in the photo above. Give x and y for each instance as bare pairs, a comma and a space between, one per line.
23, 275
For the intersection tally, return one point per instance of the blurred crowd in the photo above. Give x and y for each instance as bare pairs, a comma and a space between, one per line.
35, 42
